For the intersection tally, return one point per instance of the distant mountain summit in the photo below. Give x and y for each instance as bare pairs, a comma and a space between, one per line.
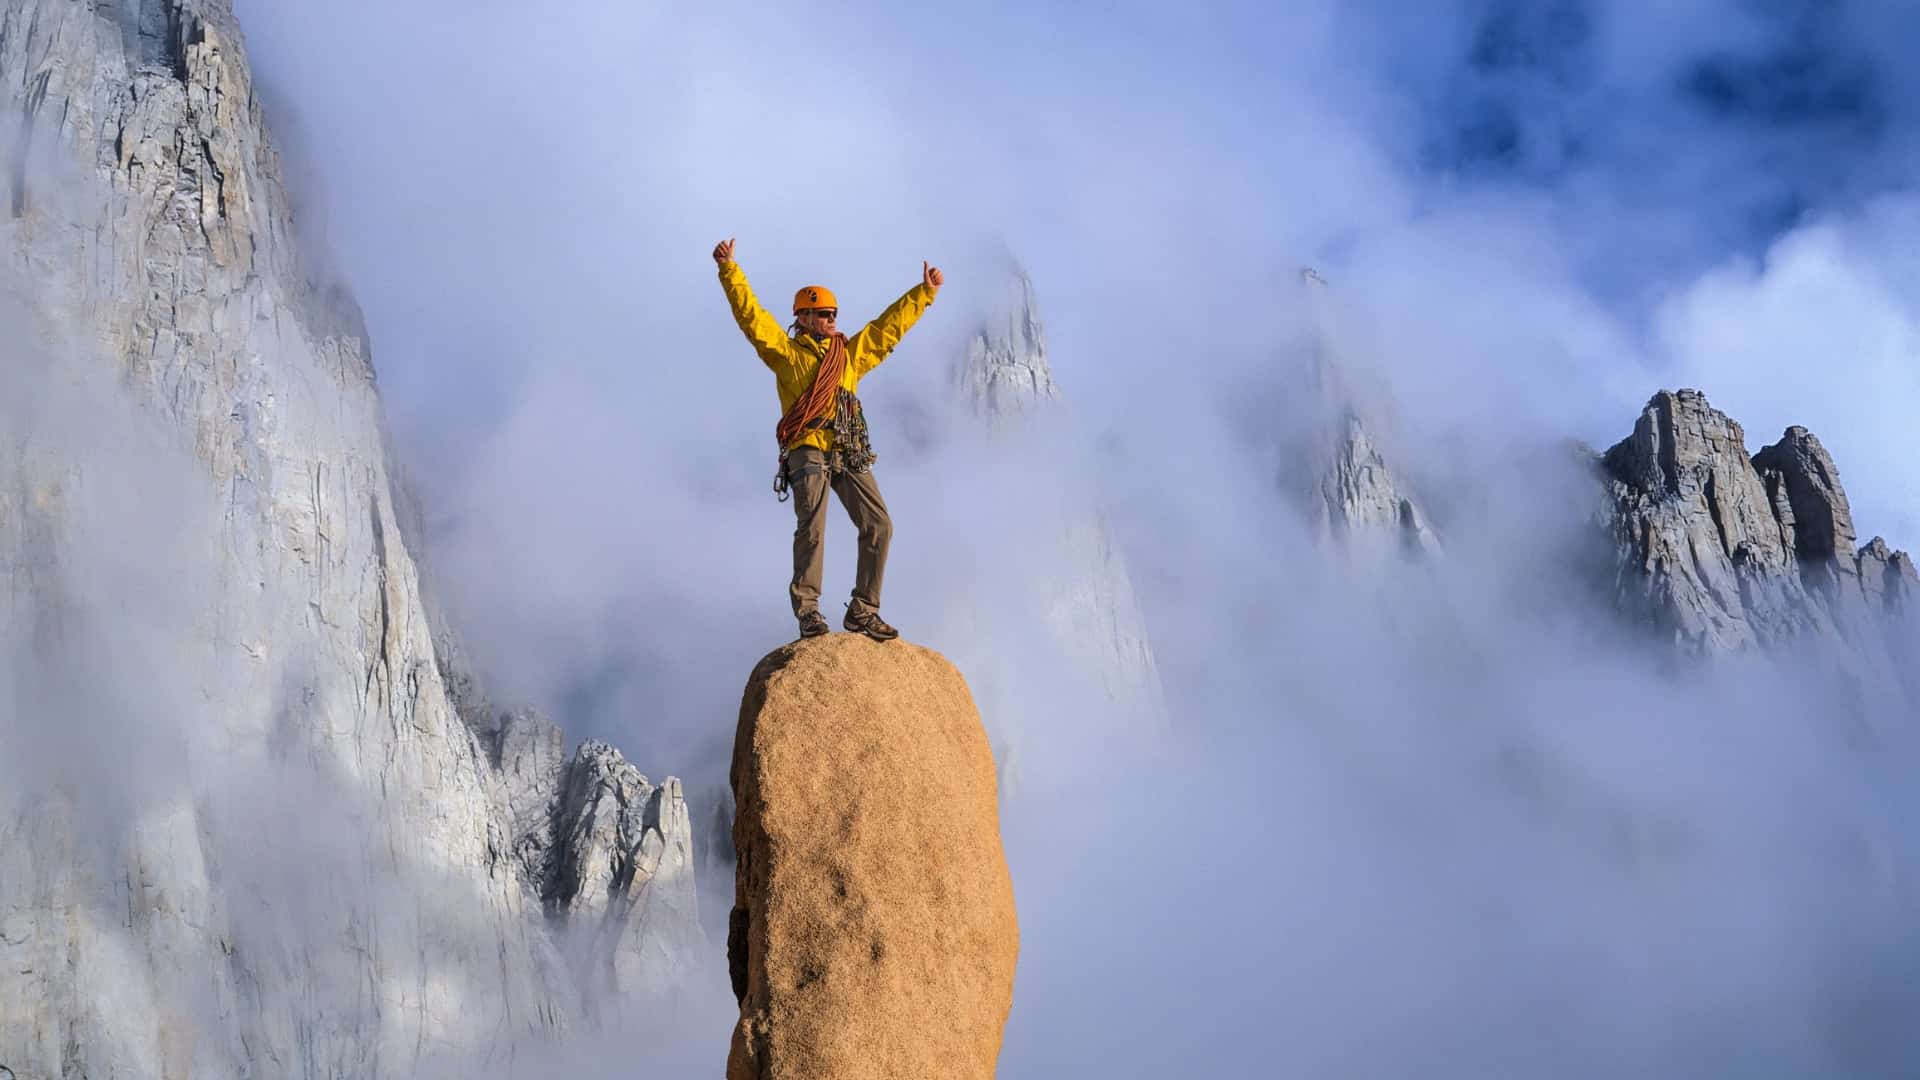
1091, 610
1726, 550
1712, 547
1332, 462
1005, 373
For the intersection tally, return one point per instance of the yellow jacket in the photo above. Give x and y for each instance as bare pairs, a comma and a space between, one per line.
794, 358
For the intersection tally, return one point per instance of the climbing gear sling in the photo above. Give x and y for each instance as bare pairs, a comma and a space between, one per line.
812, 405
853, 448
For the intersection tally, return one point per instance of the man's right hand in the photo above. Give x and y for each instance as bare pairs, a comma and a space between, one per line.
723, 252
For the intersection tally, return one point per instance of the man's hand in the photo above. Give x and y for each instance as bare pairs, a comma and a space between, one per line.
931, 275
723, 253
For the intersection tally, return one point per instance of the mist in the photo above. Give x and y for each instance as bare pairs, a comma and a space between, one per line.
1439, 818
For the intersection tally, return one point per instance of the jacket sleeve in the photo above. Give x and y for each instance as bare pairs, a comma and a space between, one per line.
871, 345
765, 333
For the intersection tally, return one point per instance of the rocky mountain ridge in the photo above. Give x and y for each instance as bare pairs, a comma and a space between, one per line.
1717, 549
355, 867
1724, 550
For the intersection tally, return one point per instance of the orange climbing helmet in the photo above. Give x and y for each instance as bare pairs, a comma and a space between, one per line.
814, 296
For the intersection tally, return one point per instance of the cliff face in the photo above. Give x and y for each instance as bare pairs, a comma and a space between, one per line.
1725, 551
873, 932
335, 869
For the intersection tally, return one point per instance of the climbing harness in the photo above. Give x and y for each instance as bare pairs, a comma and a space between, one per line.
852, 445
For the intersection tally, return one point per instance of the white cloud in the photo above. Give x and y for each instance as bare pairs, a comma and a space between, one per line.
1823, 332
1470, 828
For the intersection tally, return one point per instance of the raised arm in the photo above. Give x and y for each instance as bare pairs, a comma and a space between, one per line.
765, 333
875, 340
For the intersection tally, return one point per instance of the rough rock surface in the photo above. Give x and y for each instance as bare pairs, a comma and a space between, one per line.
873, 934
1331, 458
602, 851
1359, 495
622, 871
1724, 551
1005, 373
276, 840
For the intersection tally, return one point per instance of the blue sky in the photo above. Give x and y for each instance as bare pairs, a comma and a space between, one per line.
1733, 122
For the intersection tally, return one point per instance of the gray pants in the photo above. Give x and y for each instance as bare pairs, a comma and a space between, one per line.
860, 494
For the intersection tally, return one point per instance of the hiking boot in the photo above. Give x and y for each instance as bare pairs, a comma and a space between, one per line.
870, 625
813, 624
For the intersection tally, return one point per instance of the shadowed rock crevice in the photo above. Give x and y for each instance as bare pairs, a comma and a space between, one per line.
1801, 478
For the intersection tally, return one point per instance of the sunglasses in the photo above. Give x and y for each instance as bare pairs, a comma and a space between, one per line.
825, 313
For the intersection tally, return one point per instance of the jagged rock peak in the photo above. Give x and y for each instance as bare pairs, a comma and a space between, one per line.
156, 99
1804, 488
605, 810
1728, 551
1888, 579
1352, 492
1686, 450
873, 934
1360, 495
589, 832
1005, 372
623, 849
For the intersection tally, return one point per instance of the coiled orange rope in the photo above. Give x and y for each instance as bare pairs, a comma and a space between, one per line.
811, 405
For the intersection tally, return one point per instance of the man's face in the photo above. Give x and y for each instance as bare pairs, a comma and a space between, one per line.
819, 321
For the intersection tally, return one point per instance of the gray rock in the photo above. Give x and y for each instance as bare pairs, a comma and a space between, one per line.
1332, 460
1359, 494
1803, 489
1005, 373
622, 872
529, 752
1888, 581
1726, 552
256, 818
1704, 554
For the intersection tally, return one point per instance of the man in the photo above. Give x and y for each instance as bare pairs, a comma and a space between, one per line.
823, 432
